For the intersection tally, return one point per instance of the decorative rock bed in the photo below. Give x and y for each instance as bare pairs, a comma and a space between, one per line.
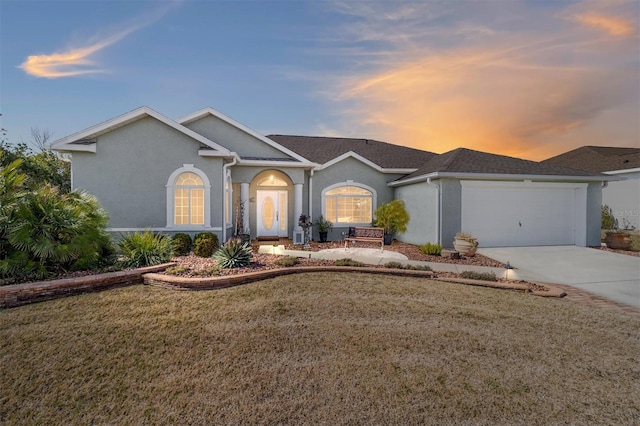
263, 267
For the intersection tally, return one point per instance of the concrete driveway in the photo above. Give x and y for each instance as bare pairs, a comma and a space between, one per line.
611, 275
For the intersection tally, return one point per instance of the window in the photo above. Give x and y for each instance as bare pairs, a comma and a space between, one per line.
272, 181
189, 200
348, 204
188, 204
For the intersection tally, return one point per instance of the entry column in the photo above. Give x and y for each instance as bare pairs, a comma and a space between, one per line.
244, 201
297, 205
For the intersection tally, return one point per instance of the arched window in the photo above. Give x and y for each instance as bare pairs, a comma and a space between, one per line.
348, 204
188, 198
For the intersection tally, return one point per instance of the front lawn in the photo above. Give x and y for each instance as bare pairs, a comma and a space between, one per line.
318, 348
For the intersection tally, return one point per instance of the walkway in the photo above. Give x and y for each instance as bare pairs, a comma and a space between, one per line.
375, 257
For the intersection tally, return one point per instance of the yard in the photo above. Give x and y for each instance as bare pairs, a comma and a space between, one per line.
318, 348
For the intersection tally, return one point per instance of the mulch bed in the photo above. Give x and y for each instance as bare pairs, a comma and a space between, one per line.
199, 267
627, 252
194, 267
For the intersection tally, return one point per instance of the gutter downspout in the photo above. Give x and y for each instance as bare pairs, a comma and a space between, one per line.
225, 200
310, 194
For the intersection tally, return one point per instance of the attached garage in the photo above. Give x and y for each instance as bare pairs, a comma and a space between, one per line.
507, 214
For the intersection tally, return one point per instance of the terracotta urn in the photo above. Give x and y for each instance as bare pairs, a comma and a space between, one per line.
618, 240
465, 247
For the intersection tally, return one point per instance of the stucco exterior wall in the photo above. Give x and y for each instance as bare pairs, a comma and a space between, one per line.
129, 171
624, 199
421, 201
348, 170
233, 139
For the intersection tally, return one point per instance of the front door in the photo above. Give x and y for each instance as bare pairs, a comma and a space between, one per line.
272, 213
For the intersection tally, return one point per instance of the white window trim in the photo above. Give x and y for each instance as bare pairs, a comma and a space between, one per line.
374, 200
171, 186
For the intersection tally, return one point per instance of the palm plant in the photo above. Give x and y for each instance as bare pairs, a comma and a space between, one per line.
47, 234
144, 249
392, 216
234, 254
51, 233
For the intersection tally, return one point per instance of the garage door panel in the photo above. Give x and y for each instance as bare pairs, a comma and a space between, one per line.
519, 215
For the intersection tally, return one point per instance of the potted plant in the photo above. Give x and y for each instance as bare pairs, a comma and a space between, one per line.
240, 233
465, 244
393, 217
618, 239
324, 226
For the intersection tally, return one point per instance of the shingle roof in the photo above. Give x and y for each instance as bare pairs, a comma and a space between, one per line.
598, 158
323, 149
463, 160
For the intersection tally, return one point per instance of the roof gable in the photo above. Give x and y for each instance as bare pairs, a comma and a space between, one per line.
85, 140
208, 111
598, 158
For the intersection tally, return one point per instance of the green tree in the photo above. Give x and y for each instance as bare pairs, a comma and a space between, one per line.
40, 165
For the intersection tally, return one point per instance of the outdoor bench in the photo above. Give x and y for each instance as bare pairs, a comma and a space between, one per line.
365, 234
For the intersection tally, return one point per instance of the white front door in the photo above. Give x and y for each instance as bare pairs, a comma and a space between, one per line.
272, 213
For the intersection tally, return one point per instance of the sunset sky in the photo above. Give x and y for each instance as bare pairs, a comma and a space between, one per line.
529, 79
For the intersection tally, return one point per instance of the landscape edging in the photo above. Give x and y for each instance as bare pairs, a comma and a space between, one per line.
26, 293
23, 294
212, 283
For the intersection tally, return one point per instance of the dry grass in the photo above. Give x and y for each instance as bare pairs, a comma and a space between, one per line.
318, 348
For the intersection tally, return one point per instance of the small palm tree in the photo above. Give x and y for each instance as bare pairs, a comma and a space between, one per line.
49, 233
393, 217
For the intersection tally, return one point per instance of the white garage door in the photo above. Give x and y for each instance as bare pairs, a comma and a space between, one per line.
507, 214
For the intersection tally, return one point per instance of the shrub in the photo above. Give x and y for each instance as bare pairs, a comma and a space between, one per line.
483, 276
432, 249
175, 270
398, 265
393, 217
211, 270
144, 249
181, 244
234, 254
419, 267
44, 232
205, 244
287, 261
608, 220
348, 262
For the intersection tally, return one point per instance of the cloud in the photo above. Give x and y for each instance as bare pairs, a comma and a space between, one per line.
518, 81
613, 25
78, 60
